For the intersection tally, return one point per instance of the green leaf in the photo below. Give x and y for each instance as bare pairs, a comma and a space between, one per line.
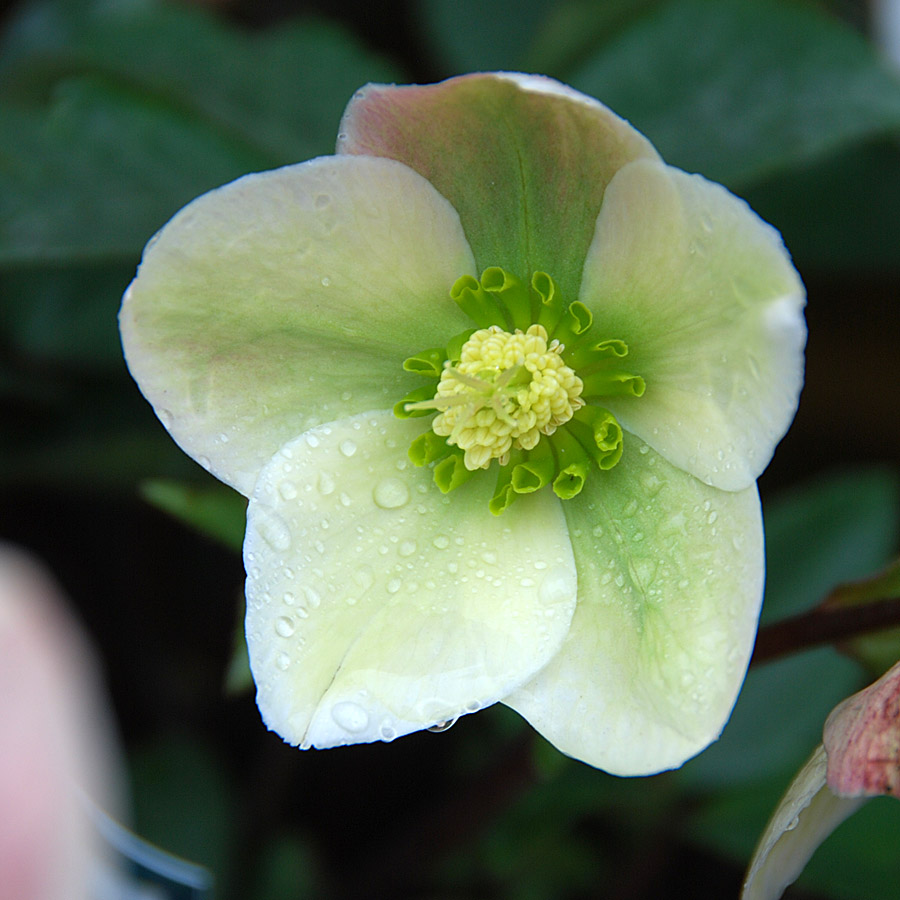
740, 89
212, 509
123, 113
814, 207
96, 174
279, 90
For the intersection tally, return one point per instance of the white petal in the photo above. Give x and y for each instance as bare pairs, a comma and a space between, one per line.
704, 294
670, 575
376, 605
805, 816
290, 298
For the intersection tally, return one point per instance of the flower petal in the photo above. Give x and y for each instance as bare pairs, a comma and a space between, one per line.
289, 298
376, 605
705, 296
670, 575
524, 159
805, 816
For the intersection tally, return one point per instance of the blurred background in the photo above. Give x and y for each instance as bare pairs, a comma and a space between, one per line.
115, 113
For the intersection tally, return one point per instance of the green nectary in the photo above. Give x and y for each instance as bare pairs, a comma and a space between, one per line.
569, 447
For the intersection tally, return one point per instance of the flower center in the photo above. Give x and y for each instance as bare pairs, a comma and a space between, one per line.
505, 392
524, 388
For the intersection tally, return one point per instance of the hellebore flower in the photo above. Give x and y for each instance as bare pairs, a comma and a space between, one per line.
498, 383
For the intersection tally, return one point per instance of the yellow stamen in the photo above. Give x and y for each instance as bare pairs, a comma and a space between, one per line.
507, 391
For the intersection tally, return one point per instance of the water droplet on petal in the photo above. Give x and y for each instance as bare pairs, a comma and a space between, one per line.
288, 490
438, 727
350, 716
273, 530
407, 548
325, 483
165, 417
393, 585
348, 448
326, 281
442, 542
558, 585
283, 661
391, 493
284, 626
312, 597
311, 439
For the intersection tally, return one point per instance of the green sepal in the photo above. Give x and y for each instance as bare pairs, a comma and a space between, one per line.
504, 492
476, 303
582, 355
551, 307
427, 448
576, 322
418, 395
536, 470
455, 345
613, 384
427, 363
451, 471
574, 464
598, 431
511, 294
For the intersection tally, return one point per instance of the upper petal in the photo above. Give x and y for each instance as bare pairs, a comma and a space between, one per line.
524, 159
704, 294
376, 605
289, 298
670, 576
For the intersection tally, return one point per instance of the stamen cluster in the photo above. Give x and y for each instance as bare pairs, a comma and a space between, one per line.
506, 391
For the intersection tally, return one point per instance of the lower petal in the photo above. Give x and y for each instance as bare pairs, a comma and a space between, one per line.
670, 578
376, 605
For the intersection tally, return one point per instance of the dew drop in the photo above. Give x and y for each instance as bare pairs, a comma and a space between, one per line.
489, 557
288, 490
597, 531
311, 439
223, 438
447, 724
165, 417
326, 281
350, 716
325, 483
388, 733
442, 542
407, 548
631, 507
557, 585
283, 661
284, 626
348, 448
346, 395
345, 499
393, 585
391, 493
364, 577
313, 599
289, 598
204, 461
273, 530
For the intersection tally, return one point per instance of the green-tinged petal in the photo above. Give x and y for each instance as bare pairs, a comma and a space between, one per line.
524, 159
704, 294
377, 606
670, 575
806, 815
289, 298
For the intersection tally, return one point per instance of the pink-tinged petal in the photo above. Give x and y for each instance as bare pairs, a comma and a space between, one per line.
862, 740
56, 743
289, 298
525, 161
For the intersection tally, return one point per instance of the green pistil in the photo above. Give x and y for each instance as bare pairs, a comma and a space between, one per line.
591, 441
